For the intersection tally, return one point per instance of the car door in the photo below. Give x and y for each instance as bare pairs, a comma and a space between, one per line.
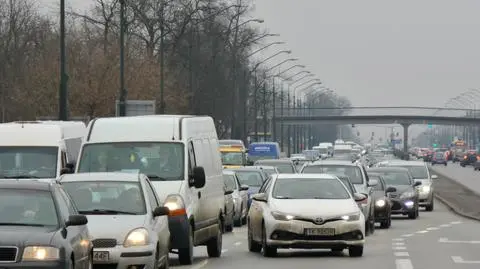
76, 236
243, 194
257, 209
158, 224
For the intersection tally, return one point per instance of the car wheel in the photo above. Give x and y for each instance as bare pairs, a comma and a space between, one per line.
430, 207
355, 251
268, 251
412, 215
372, 225
166, 262
185, 255
367, 228
384, 224
238, 221
214, 245
252, 245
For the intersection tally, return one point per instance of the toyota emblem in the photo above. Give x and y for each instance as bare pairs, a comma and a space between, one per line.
318, 221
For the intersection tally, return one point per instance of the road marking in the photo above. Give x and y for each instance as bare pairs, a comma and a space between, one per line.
407, 235
403, 264
224, 250
237, 243
401, 254
432, 228
458, 259
445, 225
398, 243
455, 222
446, 240
200, 264
422, 232
399, 248
398, 239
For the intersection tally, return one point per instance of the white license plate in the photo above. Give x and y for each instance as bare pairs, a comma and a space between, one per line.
320, 231
100, 256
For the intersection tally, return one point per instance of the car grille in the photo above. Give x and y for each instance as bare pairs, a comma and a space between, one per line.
288, 236
393, 195
104, 243
8, 254
396, 205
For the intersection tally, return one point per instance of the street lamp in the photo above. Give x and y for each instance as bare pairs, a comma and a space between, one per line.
264, 47
63, 91
290, 68
122, 100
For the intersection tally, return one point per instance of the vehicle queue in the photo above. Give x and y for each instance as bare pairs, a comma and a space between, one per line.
125, 192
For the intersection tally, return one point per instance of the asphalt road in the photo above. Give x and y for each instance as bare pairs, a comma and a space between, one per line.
463, 175
408, 244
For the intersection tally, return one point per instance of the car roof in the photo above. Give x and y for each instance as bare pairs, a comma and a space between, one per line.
388, 169
405, 163
306, 176
264, 167
26, 184
228, 172
101, 176
333, 162
274, 161
248, 168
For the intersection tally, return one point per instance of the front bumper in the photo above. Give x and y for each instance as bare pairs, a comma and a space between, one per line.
36, 265
425, 198
382, 213
124, 258
291, 234
403, 206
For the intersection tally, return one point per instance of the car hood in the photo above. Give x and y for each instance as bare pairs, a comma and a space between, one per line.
165, 188
314, 207
100, 226
401, 189
21, 236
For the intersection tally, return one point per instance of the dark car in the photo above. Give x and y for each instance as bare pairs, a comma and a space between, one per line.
253, 178
41, 228
284, 166
383, 204
346, 181
469, 158
229, 214
439, 158
405, 200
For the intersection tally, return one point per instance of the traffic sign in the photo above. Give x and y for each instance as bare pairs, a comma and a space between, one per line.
429, 126
396, 141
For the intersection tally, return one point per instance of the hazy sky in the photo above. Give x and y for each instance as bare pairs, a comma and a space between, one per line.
379, 52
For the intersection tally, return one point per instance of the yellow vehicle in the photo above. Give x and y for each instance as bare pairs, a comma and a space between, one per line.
233, 156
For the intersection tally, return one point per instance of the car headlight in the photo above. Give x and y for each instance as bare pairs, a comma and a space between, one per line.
136, 237
282, 216
380, 203
175, 204
425, 189
39, 253
351, 217
407, 194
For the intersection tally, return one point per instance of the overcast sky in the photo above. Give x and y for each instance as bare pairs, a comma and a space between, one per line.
379, 52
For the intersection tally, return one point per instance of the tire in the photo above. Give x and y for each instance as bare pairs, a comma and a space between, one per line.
238, 222
413, 215
367, 228
430, 207
185, 255
214, 245
229, 227
355, 251
268, 251
445, 164
372, 226
166, 264
386, 224
252, 245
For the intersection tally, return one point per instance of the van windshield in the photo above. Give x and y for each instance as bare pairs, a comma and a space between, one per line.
160, 161
28, 162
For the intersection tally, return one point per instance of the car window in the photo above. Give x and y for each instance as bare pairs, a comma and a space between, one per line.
151, 196
379, 186
264, 185
418, 172
104, 196
250, 178
396, 178
229, 181
67, 199
354, 173
309, 188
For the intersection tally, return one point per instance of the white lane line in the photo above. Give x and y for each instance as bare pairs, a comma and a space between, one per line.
432, 228
445, 225
224, 250
422, 232
398, 243
237, 243
446, 240
398, 239
455, 222
403, 264
407, 235
458, 259
399, 248
401, 254
200, 264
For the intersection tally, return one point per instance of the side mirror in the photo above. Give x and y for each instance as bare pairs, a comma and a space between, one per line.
197, 179
434, 176
228, 192
244, 187
417, 183
161, 211
76, 220
391, 189
65, 171
70, 166
260, 197
249, 162
372, 183
358, 197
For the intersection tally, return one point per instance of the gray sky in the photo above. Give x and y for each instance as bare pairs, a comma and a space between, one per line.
379, 52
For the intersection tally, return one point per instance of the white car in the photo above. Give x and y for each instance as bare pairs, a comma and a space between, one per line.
305, 211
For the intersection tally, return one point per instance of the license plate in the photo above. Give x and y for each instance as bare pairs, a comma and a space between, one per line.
100, 256
320, 231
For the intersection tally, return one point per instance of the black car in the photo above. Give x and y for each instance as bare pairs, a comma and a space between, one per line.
405, 200
469, 158
383, 204
439, 158
41, 228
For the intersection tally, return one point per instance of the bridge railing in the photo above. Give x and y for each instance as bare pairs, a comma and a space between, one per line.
378, 111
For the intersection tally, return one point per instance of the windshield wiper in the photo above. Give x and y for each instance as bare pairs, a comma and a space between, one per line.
21, 224
156, 178
21, 176
106, 212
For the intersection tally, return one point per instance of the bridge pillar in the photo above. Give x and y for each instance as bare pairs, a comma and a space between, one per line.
405, 140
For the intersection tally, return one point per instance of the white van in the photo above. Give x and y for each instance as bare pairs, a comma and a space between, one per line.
181, 157
39, 149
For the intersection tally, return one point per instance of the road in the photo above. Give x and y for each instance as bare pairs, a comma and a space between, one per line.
408, 244
464, 175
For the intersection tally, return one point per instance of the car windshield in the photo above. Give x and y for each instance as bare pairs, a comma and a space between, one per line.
269, 171
379, 186
354, 173
396, 178
107, 197
347, 183
229, 181
283, 168
232, 158
439, 155
27, 208
159, 161
28, 162
309, 188
418, 172
342, 151
250, 178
